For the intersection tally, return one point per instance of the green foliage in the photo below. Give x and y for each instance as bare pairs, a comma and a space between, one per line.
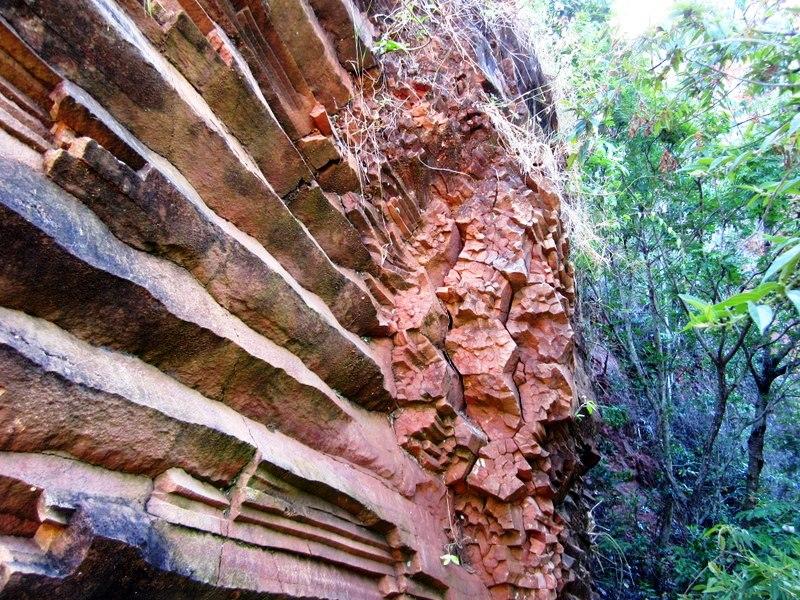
687, 144
761, 302
448, 559
616, 416
690, 558
586, 408
757, 557
386, 45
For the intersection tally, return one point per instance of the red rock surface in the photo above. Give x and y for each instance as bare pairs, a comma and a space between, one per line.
241, 359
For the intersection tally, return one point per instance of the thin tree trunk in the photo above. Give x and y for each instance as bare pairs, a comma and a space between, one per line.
664, 536
723, 392
755, 449
665, 525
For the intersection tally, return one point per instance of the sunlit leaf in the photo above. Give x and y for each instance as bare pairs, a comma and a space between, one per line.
695, 302
753, 295
794, 296
787, 258
762, 315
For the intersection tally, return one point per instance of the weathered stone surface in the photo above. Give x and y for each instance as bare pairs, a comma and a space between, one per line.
99, 51
463, 223
323, 215
150, 213
228, 93
312, 50
246, 353
319, 150
280, 80
474, 290
493, 403
45, 411
482, 346
539, 321
118, 285
340, 177
422, 372
350, 32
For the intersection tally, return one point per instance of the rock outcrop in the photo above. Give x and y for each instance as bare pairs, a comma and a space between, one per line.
244, 353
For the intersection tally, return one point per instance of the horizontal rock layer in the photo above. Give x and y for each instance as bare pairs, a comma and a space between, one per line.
236, 363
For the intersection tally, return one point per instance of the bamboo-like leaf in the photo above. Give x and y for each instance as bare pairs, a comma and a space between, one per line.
753, 295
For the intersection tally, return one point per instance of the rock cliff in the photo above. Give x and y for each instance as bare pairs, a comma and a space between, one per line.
279, 317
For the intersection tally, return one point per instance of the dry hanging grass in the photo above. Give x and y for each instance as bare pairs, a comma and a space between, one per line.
406, 33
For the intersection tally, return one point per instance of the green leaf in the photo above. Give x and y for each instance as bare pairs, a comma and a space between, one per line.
794, 296
778, 240
795, 124
788, 258
754, 295
783, 187
762, 315
772, 139
386, 45
695, 302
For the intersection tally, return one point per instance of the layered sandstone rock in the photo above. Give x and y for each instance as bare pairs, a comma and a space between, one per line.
234, 362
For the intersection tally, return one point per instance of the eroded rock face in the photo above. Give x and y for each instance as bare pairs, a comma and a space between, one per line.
234, 362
